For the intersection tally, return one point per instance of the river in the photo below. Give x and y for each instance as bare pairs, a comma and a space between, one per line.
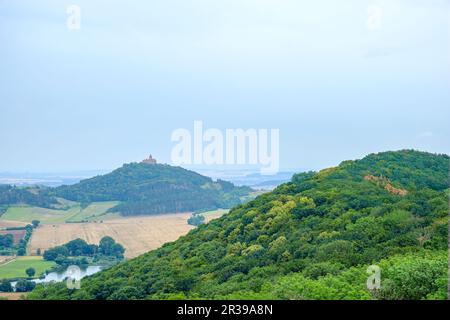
61, 276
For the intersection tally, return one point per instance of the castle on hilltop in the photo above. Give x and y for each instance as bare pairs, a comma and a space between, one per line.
149, 160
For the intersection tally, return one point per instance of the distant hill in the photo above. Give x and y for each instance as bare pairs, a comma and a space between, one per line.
20, 195
311, 238
154, 188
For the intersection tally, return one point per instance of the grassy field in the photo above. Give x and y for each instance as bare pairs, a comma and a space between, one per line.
27, 214
48, 216
16, 268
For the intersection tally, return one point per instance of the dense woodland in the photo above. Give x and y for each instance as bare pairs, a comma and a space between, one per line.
312, 238
18, 195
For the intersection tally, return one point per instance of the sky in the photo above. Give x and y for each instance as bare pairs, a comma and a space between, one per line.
339, 79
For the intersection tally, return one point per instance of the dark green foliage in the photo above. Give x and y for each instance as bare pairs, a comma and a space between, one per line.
5, 286
22, 248
35, 196
53, 253
6, 241
30, 272
150, 189
415, 278
312, 238
196, 219
7, 246
109, 247
24, 286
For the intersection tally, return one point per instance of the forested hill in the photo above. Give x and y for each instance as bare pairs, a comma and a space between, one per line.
312, 238
154, 188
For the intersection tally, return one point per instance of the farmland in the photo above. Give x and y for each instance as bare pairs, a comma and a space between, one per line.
4, 259
16, 268
12, 295
10, 224
75, 213
17, 234
137, 234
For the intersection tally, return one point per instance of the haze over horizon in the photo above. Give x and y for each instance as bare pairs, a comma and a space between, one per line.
113, 91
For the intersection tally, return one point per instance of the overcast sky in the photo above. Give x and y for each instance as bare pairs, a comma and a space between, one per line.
340, 79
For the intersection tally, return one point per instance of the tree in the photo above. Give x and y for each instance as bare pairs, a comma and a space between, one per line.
35, 223
196, 219
30, 272
6, 240
25, 286
106, 246
77, 247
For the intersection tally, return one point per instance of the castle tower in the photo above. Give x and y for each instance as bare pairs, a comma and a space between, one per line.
149, 160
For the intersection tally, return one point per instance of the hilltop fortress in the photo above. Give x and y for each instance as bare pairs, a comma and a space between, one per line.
149, 160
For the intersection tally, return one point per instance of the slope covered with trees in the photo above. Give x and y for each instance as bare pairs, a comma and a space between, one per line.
10, 195
155, 188
312, 238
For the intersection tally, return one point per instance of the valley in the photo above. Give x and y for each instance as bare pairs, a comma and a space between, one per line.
311, 238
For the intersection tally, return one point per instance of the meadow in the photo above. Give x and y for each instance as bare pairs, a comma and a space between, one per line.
75, 213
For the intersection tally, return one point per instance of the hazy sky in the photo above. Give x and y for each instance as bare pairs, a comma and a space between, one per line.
340, 79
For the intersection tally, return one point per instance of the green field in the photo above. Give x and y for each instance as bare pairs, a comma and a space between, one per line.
93, 211
16, 268
73, 214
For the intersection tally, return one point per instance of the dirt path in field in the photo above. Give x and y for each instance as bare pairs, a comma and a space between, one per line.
7, 260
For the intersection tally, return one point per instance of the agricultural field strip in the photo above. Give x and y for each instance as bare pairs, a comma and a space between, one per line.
137, 234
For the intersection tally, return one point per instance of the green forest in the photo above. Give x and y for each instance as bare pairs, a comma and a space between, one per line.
20, 195
311, 238
156, 188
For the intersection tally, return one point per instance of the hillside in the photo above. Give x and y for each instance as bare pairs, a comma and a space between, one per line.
154, 188
311, 238
19, 195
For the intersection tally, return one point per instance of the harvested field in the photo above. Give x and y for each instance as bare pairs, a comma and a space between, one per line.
12, 295
137, 234
11, 224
